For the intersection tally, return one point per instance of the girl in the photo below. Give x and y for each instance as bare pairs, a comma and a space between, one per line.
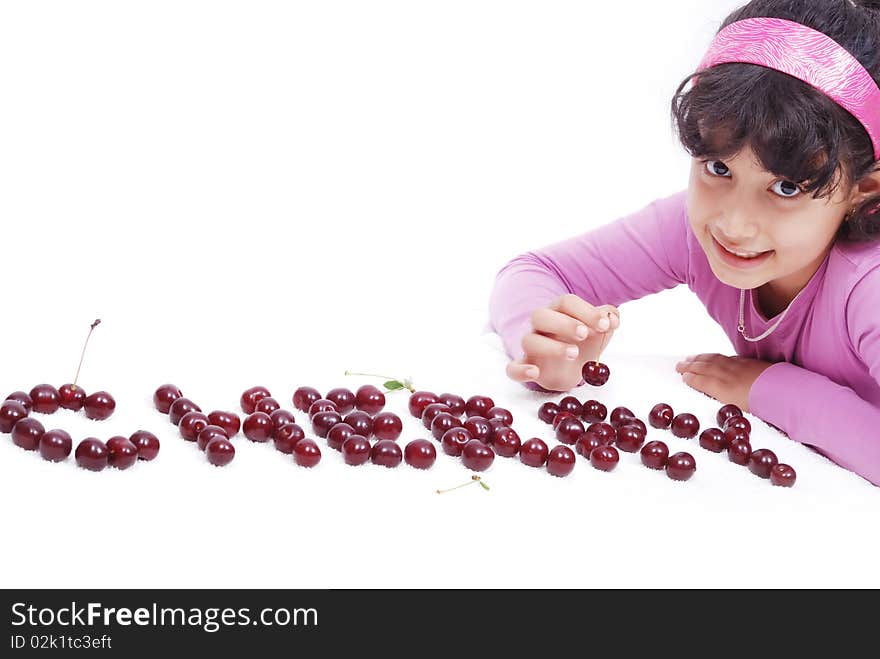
773, 233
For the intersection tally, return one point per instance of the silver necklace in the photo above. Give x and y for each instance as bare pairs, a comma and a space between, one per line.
741, 328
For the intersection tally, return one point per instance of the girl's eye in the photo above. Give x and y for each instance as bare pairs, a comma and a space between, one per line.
786, 189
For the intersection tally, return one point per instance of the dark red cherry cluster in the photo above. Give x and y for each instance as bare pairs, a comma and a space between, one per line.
476, 430
56, 445
350, 420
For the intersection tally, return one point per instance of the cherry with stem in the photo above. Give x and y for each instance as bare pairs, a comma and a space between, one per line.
391, 384
85, 345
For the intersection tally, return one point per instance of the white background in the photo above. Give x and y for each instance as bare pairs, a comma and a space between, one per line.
272, 193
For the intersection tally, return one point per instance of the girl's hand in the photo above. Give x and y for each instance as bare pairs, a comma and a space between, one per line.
727, 379
565, 335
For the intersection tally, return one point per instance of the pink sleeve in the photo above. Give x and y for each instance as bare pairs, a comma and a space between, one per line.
638, 254
814, 410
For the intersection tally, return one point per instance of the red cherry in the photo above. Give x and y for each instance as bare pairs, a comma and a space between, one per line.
420, 453
593, 411
207, 434
386, 453
322, 405
569, 430
560, 461
46, 399
681, 466
121, 452
734, 434
220, 451
454, 402
258, 427
387, 425
27, 432
146, 443
630, 438
739, 452
559, 417
496, 425
478, 406
164, 396
586, 443
661, 416
180, 407
506, 442
685, 425
361, 422
533, 452
191, 425
738, 423
638, 423
604, 432
595, 373
479, 428
251, 397
286, 437
267, 405
23, 398
343, 398
431, 410
712, 439
443, 422
280, 418
477, 456
548, 411
782, 475
306, 453
571, 404
337, 435
323, 421
619, 415
655, 455
92, 454
304, 397
725, 412
604, 458
761, 462
99, 405
419, 400
369, 399
453, 441
356, 450
55, 445
501, 414
70, 397
10, 412
229, 421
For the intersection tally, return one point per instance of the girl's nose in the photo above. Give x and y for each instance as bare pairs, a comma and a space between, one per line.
737, 228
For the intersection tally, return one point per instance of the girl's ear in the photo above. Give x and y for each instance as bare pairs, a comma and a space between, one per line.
869, 186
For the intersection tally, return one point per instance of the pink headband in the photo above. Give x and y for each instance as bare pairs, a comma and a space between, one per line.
807, 55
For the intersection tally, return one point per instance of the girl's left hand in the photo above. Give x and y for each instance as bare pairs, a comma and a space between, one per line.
727, 379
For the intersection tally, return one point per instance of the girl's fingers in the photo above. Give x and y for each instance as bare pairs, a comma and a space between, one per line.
522, 372
559, 325
537, 345
596, 318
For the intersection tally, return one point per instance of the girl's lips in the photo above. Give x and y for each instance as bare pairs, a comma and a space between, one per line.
737, 261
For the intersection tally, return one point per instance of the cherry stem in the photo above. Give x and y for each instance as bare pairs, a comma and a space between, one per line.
406, 385
604, 338
474, 479
88, 336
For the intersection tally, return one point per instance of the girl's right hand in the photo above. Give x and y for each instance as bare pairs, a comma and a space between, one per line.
565, 335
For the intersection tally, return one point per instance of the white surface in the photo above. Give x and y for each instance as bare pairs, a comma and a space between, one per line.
253, 193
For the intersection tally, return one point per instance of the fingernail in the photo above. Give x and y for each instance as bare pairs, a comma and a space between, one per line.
604, 324
532, 372
572, 352
581, 331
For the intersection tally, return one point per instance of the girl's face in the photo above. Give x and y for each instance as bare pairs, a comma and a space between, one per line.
781, 234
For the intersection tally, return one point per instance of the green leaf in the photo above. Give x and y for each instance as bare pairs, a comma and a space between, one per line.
483, 485
391, 385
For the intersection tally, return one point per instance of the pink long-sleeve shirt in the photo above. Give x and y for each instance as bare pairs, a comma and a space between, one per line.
822, 389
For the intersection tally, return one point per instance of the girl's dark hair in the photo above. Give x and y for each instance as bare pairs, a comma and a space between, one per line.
795, 130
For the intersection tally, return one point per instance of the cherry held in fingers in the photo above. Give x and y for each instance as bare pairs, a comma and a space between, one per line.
91, 454
420, 453
595, 373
